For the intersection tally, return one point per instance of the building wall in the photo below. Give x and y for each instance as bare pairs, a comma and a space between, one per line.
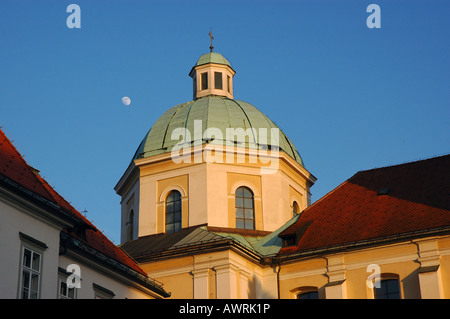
345, 275
93, 278
128, 204
221, 275
175, 274
421, 266
42, 235
15, 219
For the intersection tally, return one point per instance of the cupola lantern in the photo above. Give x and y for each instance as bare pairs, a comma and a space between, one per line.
212, 75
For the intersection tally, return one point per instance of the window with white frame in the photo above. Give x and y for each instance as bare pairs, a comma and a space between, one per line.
31, 255
102, 293
30, 276
64, 291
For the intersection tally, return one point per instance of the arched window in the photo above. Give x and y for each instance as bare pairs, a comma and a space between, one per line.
173, 212
307, 293
387, 288
129, 225
245, 211
295, 209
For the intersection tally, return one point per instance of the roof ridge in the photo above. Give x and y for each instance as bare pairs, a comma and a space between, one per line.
178, 107
243, 232
325, 196
354, 211
405, 163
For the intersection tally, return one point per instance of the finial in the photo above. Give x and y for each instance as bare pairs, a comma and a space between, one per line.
211, 36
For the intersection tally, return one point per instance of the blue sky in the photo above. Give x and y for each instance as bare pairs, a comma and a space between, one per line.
349, 97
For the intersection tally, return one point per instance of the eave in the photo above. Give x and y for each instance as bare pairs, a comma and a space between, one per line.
45, 208
352, 246
77, 249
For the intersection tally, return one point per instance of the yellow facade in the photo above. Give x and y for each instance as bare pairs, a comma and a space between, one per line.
352, 269
211, 258
342, 275
421, 265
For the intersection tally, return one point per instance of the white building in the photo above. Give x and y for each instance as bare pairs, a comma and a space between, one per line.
46, 246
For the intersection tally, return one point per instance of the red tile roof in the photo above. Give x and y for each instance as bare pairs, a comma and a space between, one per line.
15, 168
416, 198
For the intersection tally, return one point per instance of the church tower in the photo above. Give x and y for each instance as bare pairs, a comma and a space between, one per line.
214, 161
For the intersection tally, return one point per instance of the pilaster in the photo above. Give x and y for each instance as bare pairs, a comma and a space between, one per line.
200, 283
243, 284
430, 279
336, 288
226, 276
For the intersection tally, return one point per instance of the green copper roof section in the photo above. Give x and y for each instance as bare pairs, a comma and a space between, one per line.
265, 246
271, 244
217, 114
212, 57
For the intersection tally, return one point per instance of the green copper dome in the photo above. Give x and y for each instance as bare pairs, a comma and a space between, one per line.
214, 112
212, 57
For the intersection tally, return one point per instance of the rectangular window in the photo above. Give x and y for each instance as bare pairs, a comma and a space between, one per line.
204, 81
228, 84
218, 80
64, 292
30, 274
102, 293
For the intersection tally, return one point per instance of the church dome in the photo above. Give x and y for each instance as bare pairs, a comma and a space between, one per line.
212, 161
219, 112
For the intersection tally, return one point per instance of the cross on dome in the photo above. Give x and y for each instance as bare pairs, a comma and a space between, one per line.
212, 74
212, 38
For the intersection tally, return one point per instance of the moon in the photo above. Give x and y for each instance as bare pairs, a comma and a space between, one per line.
126, 100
